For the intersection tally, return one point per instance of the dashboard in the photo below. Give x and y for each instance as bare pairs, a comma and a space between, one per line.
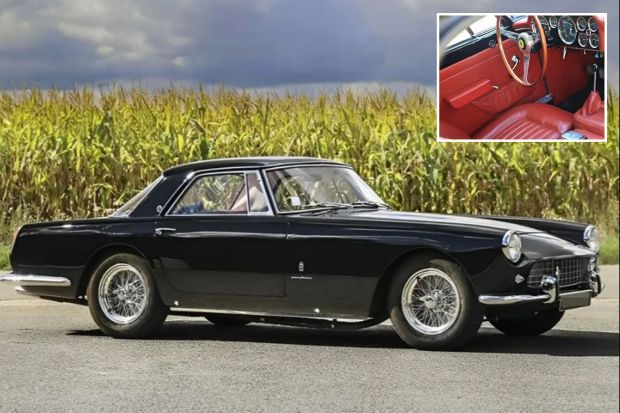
575, 32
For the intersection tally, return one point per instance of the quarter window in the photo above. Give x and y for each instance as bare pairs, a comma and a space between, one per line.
223, 194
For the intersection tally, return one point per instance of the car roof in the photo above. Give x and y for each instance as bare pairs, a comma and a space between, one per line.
253, 162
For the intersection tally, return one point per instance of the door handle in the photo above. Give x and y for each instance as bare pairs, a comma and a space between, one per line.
160, 231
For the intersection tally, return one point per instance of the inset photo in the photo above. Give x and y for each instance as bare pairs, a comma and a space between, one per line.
519, 77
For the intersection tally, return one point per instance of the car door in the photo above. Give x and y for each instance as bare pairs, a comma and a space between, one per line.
220, 245
474, 85
335, 271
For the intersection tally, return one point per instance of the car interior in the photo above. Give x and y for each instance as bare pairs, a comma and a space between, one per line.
524, 78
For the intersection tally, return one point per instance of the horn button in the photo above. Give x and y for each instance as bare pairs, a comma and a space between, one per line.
525, 42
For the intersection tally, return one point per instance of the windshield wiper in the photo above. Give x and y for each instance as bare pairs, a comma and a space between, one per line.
330, 205
370, 204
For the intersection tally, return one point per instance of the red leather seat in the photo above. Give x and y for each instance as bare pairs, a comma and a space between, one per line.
529, 121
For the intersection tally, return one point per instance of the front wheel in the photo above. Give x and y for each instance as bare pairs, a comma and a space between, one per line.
123, 298
432, 305
528, 325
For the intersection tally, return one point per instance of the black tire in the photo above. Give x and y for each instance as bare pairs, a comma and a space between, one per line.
468, 318
529, 325
224, 321
151, 317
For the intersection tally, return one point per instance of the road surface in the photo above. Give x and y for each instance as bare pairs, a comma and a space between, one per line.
53, 358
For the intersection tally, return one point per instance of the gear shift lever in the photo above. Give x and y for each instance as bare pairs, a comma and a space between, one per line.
593, 69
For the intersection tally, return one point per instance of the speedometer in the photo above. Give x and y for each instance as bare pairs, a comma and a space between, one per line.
594, 41
553, 21
582, 39
567, 30
581, 23
592, 24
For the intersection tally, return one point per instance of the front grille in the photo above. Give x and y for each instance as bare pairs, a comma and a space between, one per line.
572, 271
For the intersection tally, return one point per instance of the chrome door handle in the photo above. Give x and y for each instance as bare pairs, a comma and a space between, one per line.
160, 231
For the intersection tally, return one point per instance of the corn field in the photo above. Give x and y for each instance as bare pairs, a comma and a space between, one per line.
82, 153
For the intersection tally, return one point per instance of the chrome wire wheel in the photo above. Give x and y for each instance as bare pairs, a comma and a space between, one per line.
430, 301
122, 293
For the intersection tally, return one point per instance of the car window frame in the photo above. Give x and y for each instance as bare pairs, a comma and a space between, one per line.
474, 38
192, 177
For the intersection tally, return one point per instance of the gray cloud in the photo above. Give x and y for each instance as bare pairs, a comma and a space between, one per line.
249, 44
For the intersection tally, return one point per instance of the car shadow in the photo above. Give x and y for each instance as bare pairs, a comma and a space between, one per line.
488, 340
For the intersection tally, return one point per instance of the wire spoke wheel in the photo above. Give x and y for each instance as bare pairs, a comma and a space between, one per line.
430, 301
122, 293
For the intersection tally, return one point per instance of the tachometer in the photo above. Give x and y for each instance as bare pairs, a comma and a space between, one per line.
553, 21
581, 23
582, 39
567, 30
594, 41
592, 24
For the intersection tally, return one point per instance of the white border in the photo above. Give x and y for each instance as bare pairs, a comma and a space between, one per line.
437, 102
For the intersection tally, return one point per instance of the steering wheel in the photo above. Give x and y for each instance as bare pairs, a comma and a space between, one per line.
525, 41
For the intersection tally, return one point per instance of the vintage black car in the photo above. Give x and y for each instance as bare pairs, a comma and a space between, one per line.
304, 241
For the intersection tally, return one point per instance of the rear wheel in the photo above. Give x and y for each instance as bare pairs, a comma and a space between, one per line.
123, 298
225, 321
528, 325
432, 305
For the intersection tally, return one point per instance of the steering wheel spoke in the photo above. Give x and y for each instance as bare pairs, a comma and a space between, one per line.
526, 65
509, 34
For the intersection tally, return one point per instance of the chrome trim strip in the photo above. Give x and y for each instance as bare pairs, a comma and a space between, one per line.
570, 296
549, 286
36, 280
512, 299
261, 314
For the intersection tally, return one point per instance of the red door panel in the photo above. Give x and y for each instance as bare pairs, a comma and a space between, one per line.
476, 70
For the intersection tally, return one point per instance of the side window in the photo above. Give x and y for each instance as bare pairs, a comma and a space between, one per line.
480, 26
223, 194
215, 194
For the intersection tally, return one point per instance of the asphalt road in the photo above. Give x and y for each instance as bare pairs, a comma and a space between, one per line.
52, 358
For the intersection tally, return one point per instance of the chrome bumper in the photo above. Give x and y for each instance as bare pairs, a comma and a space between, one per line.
549, 294
26, 280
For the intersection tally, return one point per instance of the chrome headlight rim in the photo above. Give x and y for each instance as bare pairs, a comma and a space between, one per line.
592, 238
512, 246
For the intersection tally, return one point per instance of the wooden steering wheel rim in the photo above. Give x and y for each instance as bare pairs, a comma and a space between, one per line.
543, 47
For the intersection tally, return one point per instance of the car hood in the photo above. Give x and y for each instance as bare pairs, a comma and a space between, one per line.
407, 218
537, 244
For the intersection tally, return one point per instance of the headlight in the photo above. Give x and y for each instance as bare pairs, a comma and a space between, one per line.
592, 238
511, 246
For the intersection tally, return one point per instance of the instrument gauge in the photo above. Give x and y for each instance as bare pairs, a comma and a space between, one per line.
592, 24
581, 23
582, 39
567, 29
594, 41
553, 22
544, 23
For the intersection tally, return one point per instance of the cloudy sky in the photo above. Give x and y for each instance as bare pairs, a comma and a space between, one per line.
260, 44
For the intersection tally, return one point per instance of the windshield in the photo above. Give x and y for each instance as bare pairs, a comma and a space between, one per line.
130, 205
313, 187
